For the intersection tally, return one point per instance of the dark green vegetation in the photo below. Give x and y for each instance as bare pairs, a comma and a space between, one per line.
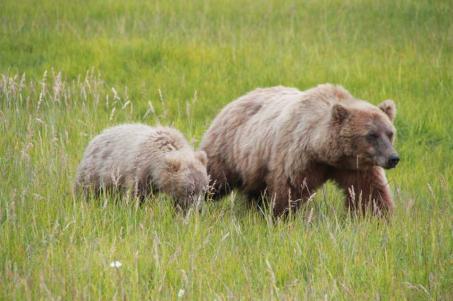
179, 62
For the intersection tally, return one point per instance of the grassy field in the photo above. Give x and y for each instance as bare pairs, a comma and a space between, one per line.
70, 68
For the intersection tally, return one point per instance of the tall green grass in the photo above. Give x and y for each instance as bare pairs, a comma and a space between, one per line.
69, 69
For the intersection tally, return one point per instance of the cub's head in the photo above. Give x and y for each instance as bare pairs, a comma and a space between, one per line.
184, 177
365, 134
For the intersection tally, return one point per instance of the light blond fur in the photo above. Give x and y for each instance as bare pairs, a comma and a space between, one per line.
285, 143
142, 159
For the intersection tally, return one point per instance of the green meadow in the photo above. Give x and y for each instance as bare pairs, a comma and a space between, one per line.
71, 68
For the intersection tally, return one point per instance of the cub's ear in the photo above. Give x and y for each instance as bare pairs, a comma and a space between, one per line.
339, 113
201, 155
173, 163
389, 108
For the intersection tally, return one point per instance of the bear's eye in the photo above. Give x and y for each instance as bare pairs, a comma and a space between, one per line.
390, 135
372, 136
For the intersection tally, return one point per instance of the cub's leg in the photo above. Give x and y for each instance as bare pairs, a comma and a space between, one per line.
88, 182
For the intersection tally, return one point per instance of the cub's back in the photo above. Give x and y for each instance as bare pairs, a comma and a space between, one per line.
116, 149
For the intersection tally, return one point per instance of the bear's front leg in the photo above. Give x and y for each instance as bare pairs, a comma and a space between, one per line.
222, 181
366, 189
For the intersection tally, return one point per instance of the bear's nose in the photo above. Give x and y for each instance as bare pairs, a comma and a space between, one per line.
393, 161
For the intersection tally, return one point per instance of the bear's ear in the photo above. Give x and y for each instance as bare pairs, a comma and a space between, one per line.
389, 108
173, 164
339, 113
202, 157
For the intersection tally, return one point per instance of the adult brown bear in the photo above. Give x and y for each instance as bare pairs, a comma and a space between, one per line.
285, 143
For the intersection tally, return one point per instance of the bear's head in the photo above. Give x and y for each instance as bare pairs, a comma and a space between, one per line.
185, 178
365, 134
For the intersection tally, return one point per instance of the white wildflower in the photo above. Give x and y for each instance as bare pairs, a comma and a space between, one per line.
116, 264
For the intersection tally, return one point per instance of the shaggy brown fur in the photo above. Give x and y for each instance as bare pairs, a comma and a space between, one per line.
142, 159
286, 143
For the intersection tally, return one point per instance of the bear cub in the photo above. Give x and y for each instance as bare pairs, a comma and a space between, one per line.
141, 160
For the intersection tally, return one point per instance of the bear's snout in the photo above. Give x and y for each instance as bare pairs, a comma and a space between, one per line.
392, 161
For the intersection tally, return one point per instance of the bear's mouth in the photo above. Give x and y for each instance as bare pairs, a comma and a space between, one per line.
380, 161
